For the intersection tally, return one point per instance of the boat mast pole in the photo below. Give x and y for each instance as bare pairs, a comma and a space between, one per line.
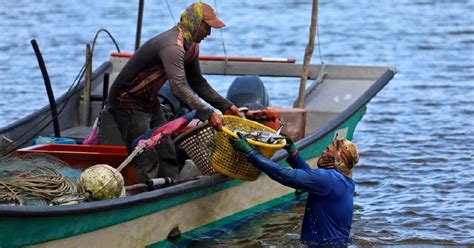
141, 5
49, 89
307, 55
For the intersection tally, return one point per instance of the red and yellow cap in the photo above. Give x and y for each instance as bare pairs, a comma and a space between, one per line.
210, 17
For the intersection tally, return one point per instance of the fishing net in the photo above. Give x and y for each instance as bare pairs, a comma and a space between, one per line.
37, 179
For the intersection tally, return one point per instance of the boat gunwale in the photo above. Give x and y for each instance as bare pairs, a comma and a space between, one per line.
188, 187
361, 101
113, 204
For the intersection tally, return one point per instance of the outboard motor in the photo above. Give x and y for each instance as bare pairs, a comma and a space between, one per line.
248, 91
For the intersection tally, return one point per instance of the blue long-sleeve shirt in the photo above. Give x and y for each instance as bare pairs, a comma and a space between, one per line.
329, 207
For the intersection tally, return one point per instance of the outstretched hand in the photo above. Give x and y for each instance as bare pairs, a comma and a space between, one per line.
290, 146
216, 121
240, 144
233, 110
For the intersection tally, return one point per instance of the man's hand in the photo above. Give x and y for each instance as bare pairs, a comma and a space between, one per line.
290, 146
326, 160
216, 121
240, 144
233, 110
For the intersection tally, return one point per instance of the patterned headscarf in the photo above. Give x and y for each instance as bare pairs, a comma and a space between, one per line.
343, 159
347, 157
190, 21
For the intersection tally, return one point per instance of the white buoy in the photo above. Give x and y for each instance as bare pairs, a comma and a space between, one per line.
102, 182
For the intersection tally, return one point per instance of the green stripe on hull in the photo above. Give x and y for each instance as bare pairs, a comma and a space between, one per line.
216, 225
318, 147
28, 231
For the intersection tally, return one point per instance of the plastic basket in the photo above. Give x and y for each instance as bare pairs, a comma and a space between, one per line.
234, 164
199, 143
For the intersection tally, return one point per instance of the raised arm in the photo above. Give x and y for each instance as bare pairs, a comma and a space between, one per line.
200, 85
297, 162
173, 63
313, 181
294, 159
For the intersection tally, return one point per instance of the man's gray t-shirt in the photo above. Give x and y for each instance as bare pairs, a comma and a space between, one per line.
162, 58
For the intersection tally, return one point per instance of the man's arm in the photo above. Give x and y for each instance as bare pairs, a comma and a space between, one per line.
172, 58
200, 85
313, 181
294, 159
297, 162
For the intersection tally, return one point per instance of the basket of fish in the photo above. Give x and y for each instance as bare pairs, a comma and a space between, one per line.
263, 139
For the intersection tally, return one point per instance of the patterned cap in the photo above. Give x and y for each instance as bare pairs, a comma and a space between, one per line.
210, 17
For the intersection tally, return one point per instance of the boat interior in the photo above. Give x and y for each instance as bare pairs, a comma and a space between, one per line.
331, 90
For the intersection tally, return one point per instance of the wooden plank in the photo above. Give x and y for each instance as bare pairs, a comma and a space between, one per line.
254, 68
268, 69
290, 70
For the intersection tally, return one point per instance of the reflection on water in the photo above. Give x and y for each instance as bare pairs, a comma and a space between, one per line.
415, 180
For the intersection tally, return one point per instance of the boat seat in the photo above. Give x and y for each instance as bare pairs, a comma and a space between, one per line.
108, 131
78, 133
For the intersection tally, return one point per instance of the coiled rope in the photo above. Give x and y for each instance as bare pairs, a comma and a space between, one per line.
43, 182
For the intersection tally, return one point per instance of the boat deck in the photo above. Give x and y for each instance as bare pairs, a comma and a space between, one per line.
78, 133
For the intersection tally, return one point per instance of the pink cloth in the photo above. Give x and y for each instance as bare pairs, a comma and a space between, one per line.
93, 137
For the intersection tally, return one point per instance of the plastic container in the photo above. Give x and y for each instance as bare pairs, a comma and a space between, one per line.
293, 119
189, 170
84, 156
53, 140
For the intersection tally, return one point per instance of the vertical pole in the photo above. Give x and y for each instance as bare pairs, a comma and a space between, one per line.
141, 5
105, 89
49, 89
307, 55
86, 95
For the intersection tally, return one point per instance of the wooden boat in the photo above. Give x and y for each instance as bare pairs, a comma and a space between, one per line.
334, 104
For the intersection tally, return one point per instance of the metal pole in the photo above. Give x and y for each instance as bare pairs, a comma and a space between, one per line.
307, 55
139, 24
49, 89
86, 95
105, 89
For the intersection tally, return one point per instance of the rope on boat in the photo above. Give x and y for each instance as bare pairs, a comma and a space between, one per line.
42, 182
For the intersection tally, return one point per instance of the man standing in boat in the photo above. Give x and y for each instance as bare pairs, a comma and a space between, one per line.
329, 207
172, 55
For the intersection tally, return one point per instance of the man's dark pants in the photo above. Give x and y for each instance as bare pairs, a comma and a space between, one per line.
158, 162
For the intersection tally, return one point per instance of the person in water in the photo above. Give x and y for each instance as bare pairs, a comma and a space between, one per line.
172, 55
329, 207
